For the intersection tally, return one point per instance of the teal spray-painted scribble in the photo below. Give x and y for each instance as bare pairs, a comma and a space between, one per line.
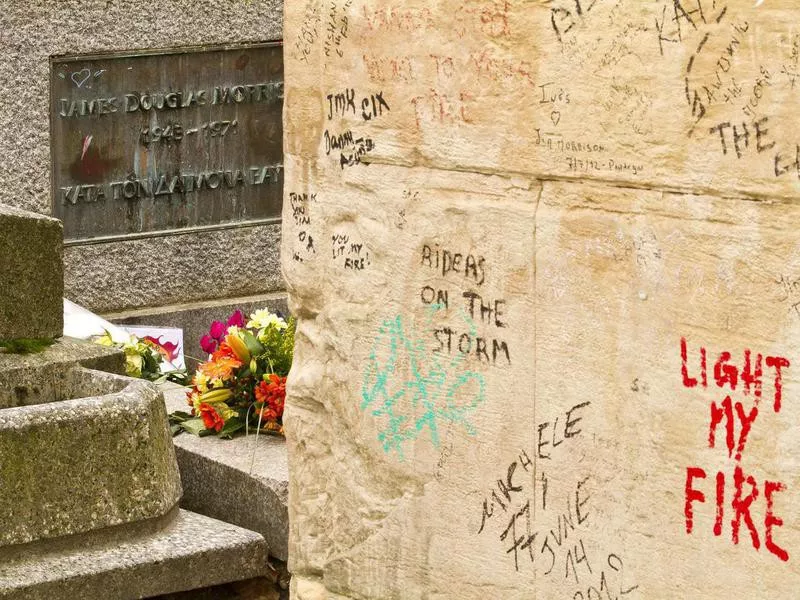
430, 381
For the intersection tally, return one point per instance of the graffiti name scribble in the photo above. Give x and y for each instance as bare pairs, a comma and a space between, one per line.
409, 389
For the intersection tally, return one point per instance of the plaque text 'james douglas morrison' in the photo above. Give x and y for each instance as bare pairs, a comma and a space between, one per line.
162, 141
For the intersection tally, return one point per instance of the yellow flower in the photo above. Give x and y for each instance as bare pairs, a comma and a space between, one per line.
263, 318
200, 381
104, 340
195, 401
238, 346
226, 411
133, 362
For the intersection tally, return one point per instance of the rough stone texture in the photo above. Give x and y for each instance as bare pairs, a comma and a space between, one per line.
243, 481
39, 375
96, 454
168, 270
154, 271
90, 487
192, 551
577, 169
196, 318
251, 589
31, 275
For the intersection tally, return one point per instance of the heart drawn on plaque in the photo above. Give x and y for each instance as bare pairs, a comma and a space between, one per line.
81, 77
555, 117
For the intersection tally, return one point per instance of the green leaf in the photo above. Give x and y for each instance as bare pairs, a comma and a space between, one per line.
175, 429
179, 416
231, 426
194, 425
179, 376
252, 343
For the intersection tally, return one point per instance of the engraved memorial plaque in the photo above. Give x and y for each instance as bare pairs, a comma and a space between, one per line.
164, 140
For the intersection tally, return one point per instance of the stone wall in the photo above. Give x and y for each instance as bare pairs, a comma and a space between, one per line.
546, 266
158, 270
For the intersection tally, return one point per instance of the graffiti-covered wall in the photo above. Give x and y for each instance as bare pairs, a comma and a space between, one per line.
546, 262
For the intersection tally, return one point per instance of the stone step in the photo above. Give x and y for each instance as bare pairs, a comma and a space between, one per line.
190, 551
244, 481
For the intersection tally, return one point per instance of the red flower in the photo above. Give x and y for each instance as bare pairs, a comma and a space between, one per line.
211, 418
224, 351
272, 395
208, 344
237, 318
267, 414
217, 330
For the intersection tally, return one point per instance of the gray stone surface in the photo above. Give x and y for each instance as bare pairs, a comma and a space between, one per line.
193, 266
196, 318
243, 481
191, 551
31, 275
94, 454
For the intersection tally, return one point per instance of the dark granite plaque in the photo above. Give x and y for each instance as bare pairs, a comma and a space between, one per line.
166, 140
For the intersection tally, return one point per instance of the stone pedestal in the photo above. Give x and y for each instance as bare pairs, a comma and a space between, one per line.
32, 275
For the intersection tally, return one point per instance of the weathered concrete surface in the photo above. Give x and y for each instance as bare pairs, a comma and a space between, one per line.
25, 378
96, 454
31, 275
516, 221
635, 272
191, 551
90, 488
244, 481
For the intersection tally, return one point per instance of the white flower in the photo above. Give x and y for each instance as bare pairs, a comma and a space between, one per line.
263, 318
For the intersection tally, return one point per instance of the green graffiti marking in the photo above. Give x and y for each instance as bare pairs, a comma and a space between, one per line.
403, 379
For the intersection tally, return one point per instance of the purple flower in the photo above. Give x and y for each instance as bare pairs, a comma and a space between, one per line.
218, 330
208, 344
237, 319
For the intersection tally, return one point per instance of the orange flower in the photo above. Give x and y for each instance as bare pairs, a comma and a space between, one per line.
211, 418
220, 368
224, 351
268, 414
272, 394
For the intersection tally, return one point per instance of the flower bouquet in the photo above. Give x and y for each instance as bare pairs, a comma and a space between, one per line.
145, 357
243, 384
